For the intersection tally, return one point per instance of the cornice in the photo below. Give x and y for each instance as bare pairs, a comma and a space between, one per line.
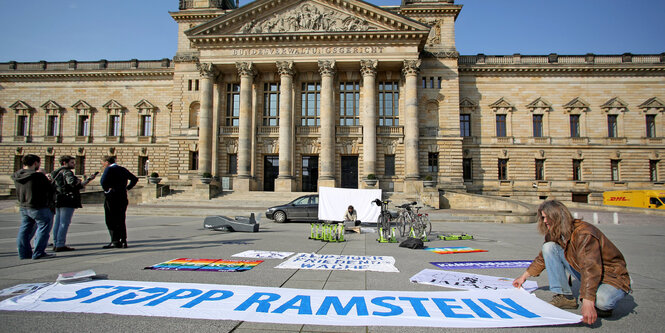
411, 11
556, 69
96, 75
206, 42
195, 16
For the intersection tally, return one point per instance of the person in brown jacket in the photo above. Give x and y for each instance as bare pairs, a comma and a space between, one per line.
583, 251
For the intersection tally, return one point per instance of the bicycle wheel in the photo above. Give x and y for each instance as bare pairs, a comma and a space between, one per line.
428, 224
418, 226
401, 225
379, 224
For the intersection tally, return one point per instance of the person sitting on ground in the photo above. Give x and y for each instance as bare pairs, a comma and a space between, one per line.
581, 249
351, 219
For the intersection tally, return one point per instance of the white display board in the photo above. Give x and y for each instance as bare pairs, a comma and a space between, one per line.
334, 202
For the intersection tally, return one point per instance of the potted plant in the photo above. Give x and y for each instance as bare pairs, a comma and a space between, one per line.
206, 178
429, 181
371, 179
154, 178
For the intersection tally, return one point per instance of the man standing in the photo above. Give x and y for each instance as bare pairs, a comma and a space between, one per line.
114, 182
35, 197
67, 199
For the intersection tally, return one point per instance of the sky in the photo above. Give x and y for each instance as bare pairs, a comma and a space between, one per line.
89, 30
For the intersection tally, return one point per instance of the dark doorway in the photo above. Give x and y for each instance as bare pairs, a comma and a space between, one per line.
581, 197
310, 173
270, 172
349, 171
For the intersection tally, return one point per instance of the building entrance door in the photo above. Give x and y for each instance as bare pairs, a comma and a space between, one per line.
349, 171
270, 172
310, 173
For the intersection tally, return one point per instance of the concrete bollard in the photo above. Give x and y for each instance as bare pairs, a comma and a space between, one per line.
616, 218
595, 218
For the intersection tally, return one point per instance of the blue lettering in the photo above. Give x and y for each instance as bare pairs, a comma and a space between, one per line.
305, 306
263, 304
207, 297
357, 301
81, 293
394, 309
476, 308
447, 309
127, 299
117, 290
512, 307
178, 294
417, 304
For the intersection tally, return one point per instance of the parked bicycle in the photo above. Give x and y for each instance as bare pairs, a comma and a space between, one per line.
384, 220
408, 220
405, 218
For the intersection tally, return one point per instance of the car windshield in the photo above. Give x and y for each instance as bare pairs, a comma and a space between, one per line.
301, 201
315, 200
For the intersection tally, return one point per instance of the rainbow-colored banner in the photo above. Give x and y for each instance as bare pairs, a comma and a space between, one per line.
453, 249
208, 265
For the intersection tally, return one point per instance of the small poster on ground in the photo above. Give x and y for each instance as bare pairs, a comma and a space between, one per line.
23, 288
452, 249
206, 265
458, 280
340, 262
483, 264
263, 254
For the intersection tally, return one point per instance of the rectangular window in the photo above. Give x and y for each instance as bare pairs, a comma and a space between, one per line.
271, 104
467, 169
577, 170
232, 105
388, 104
233, 164
424, 82
574, 126
500, 125
189, 85
142, 167
193, 160
80, 165
52, 126
653, 170
465, 125
503, 169
651, 125
49, 163
114, 125
22, 126
432, 162
146, 125
349, 103
84, 126
612, 125
540, 169
310, 107
389, 166
537, 125
431, 82
196, 85
439, 83
615, 170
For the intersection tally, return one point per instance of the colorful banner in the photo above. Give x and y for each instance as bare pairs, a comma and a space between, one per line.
452, 249
458, 280
482, 264
209, 265
263, 254
340, 262
485, 308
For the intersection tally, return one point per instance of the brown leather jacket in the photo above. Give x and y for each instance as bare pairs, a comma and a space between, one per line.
594, 256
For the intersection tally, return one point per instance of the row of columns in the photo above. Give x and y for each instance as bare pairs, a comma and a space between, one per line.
327, 69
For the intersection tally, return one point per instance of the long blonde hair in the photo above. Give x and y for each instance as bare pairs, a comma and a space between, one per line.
559, 219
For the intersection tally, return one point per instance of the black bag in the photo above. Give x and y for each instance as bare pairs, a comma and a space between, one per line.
412, 243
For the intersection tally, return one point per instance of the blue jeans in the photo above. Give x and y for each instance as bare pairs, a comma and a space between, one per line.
63, 217
34, 221
555, 262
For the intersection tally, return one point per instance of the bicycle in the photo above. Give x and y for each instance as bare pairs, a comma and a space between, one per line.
384, 220
423, 225
405, 218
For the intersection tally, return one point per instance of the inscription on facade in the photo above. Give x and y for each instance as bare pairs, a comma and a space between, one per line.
308, 51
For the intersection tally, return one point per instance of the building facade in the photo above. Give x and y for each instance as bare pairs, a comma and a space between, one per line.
289, 95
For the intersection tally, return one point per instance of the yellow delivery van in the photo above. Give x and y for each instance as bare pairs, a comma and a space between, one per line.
641, 199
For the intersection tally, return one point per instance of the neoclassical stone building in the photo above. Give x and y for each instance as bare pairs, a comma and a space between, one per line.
289, 95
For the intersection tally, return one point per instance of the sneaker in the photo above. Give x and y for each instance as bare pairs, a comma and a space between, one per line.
63, 249
603, 313
45, 256
563, 302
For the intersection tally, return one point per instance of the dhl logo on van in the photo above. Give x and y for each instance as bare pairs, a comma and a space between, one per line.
618, 199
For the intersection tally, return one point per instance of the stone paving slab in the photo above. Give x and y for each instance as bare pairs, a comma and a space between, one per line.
154, 239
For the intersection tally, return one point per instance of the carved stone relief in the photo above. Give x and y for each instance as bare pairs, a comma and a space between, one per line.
231, 146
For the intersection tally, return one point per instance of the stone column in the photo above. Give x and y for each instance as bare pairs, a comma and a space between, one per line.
246, 72
208, 73
285, 181
368, 70
327, 174
216, 116
410, 71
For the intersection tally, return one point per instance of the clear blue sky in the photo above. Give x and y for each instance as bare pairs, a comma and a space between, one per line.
60, 30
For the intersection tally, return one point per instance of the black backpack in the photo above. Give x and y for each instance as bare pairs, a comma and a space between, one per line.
412, 243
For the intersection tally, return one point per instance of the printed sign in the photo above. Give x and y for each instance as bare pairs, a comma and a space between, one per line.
452, 249
209, 265
482, 264
458, 280
483, 308
263, 254
340, 262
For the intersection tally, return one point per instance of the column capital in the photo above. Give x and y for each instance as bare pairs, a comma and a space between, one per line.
286, 68
207, 70
411, 67
245, 68
327, 67
368, 66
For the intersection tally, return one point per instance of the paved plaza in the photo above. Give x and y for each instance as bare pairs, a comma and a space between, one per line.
154, 239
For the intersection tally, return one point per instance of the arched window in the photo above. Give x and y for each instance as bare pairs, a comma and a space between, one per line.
194, 114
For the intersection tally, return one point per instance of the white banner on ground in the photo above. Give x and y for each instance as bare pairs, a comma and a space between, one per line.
340, 262
334, 202
458, 280
491, 308
263, 254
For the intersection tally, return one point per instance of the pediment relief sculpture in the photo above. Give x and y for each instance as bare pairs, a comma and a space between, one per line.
502, 105
652, 104
614, 104
539, 105
20, 106
576, 105
51, 106
307, 17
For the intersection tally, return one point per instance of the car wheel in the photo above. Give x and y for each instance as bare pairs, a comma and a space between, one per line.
280, 216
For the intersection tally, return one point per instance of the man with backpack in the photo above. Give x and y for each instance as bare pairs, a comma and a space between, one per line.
67, 199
